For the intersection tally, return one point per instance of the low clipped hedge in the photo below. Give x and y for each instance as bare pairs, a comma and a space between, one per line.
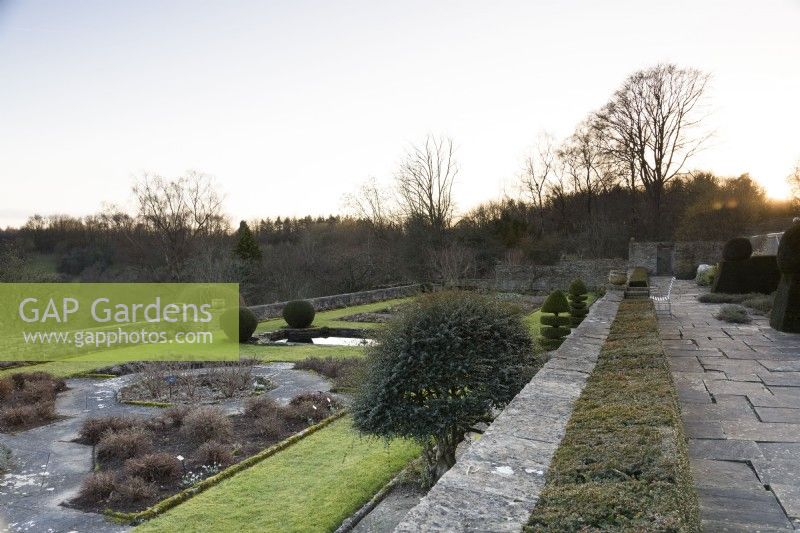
758, 273
637, 277
623, 463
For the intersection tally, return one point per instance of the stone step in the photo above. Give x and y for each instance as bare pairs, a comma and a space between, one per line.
637, 296
637, 293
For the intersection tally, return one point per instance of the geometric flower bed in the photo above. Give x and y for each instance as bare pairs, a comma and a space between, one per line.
141, 461
165, 383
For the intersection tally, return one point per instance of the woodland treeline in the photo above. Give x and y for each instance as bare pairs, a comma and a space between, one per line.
624, 173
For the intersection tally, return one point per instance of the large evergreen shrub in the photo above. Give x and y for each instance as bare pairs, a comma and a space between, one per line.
439, 368
555, 321
737, 249
786, 308
247, 247
578, 294
740, 272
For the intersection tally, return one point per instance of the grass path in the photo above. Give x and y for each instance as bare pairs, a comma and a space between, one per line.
311, 486
623, 463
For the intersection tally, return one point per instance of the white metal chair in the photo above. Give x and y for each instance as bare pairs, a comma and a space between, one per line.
664, 303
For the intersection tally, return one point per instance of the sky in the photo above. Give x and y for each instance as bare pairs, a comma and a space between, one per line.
292, 104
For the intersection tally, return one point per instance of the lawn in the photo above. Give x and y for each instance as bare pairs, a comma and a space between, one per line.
275, 353
311, 486
623, 463
332, 318
267, 354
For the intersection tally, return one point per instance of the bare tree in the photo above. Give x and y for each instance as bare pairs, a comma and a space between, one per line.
371, 202
453, 263
179, 211
794, 183
425, 182
649, 125
582, 157
559, 191
536, 174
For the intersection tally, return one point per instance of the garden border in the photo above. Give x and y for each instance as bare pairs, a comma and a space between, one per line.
176, 499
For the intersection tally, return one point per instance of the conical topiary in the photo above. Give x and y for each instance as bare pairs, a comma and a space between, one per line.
555, 322
577, 302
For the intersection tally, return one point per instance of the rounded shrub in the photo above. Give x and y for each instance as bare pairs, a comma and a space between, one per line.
299, 313
246, 327
789, 251
206, 423
154, 467
737, 249
578, 294
441, 365
555, 323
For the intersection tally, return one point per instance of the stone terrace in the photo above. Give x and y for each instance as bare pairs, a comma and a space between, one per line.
495, 485
739, 388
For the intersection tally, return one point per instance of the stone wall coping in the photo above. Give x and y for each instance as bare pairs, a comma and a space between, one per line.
496, 483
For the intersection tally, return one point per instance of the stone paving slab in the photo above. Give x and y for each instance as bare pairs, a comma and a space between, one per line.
739, 388
495, 485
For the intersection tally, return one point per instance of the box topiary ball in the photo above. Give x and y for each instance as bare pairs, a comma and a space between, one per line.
578, 287
737, 249
247, 324
299, 313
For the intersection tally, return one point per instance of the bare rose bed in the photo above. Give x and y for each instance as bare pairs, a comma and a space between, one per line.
140, 462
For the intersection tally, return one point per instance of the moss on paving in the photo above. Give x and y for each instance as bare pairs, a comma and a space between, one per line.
311, 486
623, 463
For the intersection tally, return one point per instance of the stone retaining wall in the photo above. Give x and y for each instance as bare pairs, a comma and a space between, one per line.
674, 255
337, 301
495, 485
545, 278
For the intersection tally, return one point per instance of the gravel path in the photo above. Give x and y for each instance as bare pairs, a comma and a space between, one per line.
48, 469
